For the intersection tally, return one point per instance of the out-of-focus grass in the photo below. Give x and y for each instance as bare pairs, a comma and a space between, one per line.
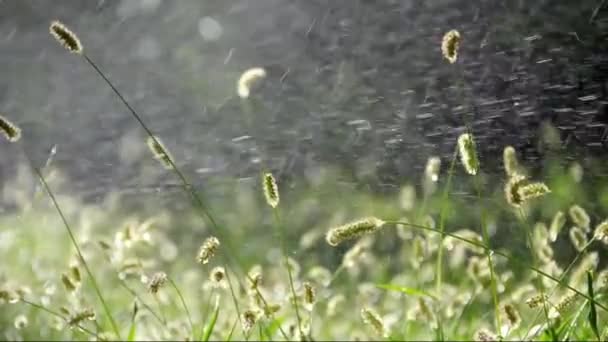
125, 247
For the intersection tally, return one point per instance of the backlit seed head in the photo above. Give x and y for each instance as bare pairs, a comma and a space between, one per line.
80, 316
65, 37
578, 238
68, 283
407, 197
371, 318
468, 153
510, 163
601, 232
249, 318
353, 230
255, 277
450, 45
10, 130
157, 281
207, 250
271, 190
333, 303
559, 219
536, 301
247, 80
309, 296
75, 273
512, 187
532, 190
512, 315
21, 322
579, 216
564, 304
159, 151
433, 166
218, 277
484, 335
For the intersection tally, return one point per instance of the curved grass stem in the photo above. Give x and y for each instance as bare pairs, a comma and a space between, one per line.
181, 298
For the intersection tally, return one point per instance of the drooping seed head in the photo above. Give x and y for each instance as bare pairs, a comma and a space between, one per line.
557, 223
157, 281
578, 238
468, 153
353, 230
247, 80
579, 216
207, 250
450, 45
371, 318
601, 232
510, 163
512, 187
271, 190
10, 130
65, 37
159, 151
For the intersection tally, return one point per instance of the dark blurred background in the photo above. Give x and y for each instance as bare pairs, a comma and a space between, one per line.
356, 84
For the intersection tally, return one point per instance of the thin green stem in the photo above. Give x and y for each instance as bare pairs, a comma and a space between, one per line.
442, 218
234, 300
523, 263
286, 261
181, 298
56, 314
78, 251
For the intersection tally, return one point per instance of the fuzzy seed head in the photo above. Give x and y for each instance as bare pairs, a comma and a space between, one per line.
578, 238
450, 45
532, 190
484, 335
271, 190
247, 80
68, 283
80, 316
510, 163
371, 318
564, 304
512, 315
579, 216
468, 153
218, 277
433, 166
353, 230
65, 37
309, 296
10, 130
601, 232
157, 281
557, 223
20, 322
512, 187
249, 318
207, 250
159, 151
535, 301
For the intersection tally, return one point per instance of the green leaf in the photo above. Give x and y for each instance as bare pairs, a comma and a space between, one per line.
406, 290
209, 328
592, 317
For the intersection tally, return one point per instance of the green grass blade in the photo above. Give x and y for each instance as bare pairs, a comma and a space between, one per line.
406, 290
592, 317
229, 337
133, 328
209, 328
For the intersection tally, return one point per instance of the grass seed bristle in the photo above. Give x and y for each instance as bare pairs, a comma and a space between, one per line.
65, 37
159, 151
271, 190
247, 80
353, 230
450, 45
10, 130
468, 153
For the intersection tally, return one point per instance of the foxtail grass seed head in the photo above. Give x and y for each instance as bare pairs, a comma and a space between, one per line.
579, 216
271, 190
468, 153
433, 166
157, 281
510, 163
333, 303
353, 230
536, 301
65, 37
247, 80
207, 250
75, 273
159, 151
450, 45
20, 322
484, 335
532, 190
309, 296
81, 316
564, 304
512, 187
218, 277
601, 232
512, 315
371, 318
578, 238
67, 282
249, 318
10, 130
407, 197
557, 223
